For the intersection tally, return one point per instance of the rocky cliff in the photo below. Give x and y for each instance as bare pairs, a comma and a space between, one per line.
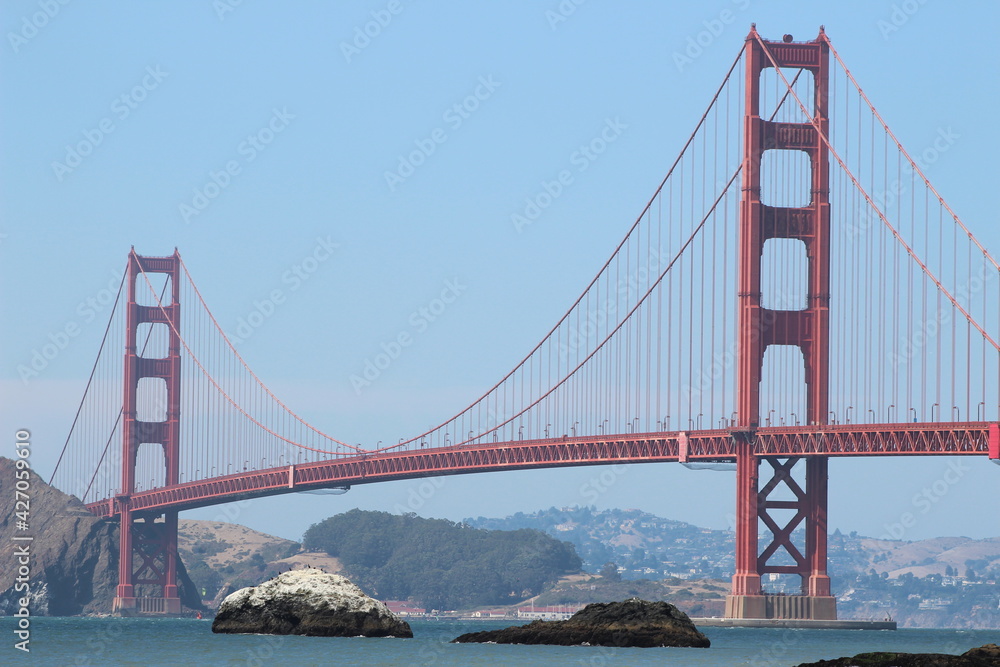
73, 556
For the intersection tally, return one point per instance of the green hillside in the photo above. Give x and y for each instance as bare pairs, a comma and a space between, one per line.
442, 564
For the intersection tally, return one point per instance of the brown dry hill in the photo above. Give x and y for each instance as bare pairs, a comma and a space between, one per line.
930, 556
219, 543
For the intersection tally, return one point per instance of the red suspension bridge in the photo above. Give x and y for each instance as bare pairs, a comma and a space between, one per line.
794, 290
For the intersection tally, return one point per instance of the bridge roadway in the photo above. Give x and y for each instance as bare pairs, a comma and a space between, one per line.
916, 439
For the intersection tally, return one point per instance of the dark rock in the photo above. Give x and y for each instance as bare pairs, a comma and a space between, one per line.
984, 656
633, 622
988, 651
74, 554
307, 602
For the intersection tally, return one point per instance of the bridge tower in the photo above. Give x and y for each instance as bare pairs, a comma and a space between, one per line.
147, 565
759, 327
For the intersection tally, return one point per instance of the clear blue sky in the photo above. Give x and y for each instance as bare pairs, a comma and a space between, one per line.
199, 79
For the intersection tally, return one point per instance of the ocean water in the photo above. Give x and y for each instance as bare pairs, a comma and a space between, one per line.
150, 642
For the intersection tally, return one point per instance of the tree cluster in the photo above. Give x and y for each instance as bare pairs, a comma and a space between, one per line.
441, 564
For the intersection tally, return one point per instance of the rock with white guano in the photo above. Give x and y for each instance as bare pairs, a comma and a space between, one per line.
307, 602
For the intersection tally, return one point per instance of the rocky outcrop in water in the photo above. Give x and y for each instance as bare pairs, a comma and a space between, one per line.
73, 554
307, 602
984, 656
633, 622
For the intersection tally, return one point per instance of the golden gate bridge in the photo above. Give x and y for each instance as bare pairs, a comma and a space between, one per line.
794, 290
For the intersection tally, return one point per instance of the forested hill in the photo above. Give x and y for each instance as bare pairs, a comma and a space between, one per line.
441, 564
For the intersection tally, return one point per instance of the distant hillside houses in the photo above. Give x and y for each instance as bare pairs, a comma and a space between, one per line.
404, 608
493, 613
934, 603
556, 613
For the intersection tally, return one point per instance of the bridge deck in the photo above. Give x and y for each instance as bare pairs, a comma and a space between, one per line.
917, 439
